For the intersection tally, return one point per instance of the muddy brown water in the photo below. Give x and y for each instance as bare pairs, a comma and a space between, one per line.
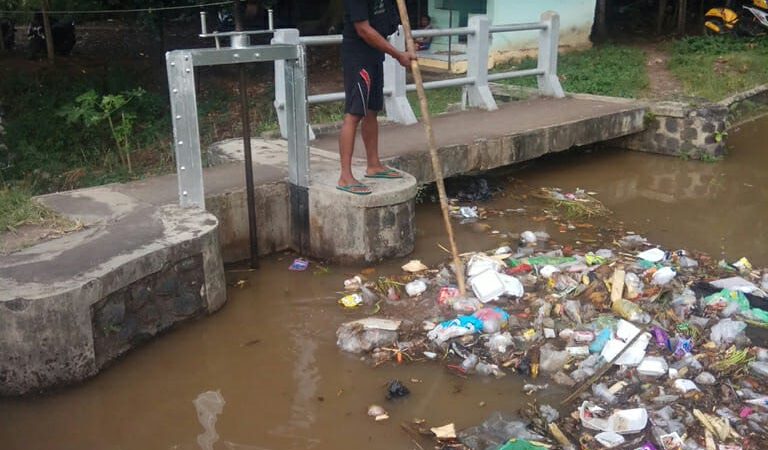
271, 350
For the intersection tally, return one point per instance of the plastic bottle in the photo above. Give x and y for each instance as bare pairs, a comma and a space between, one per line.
602, 391
488, 369
469, 362
630, 311
633, 285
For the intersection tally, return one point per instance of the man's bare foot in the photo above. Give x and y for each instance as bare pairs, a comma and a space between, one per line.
348, 181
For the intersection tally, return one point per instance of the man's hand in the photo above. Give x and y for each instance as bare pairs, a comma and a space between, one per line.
405, 58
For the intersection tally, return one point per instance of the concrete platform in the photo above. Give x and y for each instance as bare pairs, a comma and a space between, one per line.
71, 305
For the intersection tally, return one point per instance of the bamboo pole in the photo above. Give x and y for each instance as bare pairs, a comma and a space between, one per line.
436, 167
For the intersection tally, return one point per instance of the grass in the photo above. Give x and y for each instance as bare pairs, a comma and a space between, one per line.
716, 67
612, 70
17, 208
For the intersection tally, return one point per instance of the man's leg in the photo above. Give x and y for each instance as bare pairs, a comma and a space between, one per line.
347, 148
356, 91
370, 131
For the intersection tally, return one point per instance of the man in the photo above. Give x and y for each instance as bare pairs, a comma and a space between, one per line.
424, 43
366, 23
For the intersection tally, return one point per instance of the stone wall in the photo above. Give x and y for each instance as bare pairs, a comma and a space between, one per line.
680, 129
146, 307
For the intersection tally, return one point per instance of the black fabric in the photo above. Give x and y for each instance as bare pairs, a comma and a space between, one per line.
363, 85
380, 14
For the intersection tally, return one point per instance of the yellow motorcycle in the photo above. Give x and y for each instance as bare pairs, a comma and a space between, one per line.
751, 20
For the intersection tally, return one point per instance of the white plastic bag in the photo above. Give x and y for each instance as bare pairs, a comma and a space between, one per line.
727, 331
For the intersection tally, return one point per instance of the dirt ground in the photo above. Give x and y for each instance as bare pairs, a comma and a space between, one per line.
663, 85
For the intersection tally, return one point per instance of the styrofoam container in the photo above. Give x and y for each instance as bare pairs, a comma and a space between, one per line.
609, 439
487, 286
653, 366
512, 286
622, 421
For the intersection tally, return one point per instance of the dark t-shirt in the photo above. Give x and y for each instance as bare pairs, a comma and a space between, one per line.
379, 13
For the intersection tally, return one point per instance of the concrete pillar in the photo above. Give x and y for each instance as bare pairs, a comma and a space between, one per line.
478, 95
549, 41
396, 103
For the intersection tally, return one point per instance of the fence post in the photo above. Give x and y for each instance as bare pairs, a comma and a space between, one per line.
186, 132
395, 100
284, 36
549, 42
478, 49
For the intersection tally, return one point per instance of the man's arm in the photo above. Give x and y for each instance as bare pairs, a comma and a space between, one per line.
372, 37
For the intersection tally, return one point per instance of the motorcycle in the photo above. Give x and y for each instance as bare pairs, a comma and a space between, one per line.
751, 20
63, 36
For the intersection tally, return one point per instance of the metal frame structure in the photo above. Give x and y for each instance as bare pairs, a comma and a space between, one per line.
477, 92
186, 132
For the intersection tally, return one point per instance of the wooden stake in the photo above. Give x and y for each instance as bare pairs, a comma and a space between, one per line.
603, 370
436, 167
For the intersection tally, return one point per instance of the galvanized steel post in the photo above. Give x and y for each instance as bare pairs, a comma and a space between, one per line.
186, 134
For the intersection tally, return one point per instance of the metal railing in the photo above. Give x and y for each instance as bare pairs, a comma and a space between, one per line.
476, 93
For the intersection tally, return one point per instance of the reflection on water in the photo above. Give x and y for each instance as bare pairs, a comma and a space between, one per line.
719, 208
208, 405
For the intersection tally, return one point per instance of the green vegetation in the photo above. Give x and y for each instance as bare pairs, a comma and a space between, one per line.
65, 131
716, 67
613, 70
17, 208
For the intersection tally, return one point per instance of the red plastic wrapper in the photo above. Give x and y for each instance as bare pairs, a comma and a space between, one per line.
446, 294
522, 268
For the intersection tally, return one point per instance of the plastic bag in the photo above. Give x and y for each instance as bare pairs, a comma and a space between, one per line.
573, 310
663, 276
466, 305
494, 319
459, 326
727, 331
499, 342
363, 336
415, 287
551, 360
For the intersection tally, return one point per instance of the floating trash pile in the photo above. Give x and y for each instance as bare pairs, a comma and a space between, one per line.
651, 343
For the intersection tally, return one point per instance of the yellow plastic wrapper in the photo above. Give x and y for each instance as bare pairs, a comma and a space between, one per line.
351, 301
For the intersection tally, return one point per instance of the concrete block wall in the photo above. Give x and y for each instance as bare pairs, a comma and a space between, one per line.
680, 129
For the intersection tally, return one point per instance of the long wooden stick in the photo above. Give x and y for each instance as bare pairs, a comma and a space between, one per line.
436, 167
594, 378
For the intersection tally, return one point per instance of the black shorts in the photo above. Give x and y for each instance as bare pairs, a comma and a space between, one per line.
363, 85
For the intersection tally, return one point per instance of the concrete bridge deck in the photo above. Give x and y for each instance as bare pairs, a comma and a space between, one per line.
141, 265
556, 124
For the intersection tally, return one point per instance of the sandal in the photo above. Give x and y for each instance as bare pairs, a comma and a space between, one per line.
357, 189
387, 173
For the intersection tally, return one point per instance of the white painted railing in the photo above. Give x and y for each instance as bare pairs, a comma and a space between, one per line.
477, 93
